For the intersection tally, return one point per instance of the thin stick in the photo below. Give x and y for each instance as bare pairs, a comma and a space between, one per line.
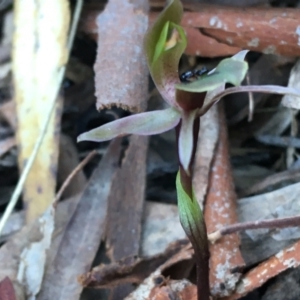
19, 187
75, 21
73, 174
251, 101
293, 174
273, 223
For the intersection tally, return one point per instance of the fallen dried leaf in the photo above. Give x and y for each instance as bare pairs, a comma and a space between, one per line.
160, 228
32, 239
174, 289
198, 43
283, 260
81, 238
224, 30
156, 278
33, 258
122, 51
280, 203
35, 82
220, 210
129, 269
126, 202
262, 29
205, 46
287, 281
207, 141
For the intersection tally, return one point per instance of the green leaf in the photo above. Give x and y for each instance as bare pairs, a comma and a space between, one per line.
191, 216
147, 123
160, 45
172, 13
230, 70
164, 45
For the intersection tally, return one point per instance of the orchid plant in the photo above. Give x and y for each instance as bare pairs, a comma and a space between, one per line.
164, 45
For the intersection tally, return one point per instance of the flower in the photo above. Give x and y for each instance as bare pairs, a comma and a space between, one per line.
164, 45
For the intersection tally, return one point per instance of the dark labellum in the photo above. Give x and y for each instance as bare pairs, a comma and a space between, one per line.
194, 74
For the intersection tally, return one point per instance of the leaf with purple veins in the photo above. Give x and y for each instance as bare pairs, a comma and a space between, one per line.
147, 123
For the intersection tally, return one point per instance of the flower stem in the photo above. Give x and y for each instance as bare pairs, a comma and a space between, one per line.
192, 220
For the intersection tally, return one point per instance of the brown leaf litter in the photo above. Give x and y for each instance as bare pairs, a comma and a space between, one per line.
81, 238
125, 206
283, 260
220, 210
120, 70
128, 270
157, 286
222, 30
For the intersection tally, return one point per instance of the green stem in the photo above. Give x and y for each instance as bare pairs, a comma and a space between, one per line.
192, 221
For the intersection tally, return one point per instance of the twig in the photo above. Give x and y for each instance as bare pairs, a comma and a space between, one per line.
273, 223
251, 101
19, 187
73, 174
267, 89
279, 141
76, 16
293, 174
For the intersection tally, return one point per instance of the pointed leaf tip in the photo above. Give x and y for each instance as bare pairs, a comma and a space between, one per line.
240, 55
230, 70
